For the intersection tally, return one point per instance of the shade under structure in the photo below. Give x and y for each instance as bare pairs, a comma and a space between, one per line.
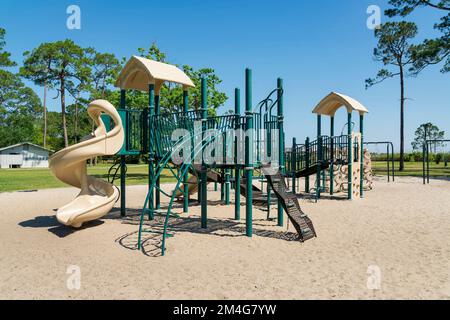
139, 72
334, 101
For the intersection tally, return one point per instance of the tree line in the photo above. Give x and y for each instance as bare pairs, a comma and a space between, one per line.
402, 58
83, 74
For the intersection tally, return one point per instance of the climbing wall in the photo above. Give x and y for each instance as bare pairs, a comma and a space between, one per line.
368, 174
341, 171
356, 167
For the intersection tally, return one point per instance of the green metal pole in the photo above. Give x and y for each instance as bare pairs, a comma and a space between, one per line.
227, 187
392, 161
307, 155
293, 163
151, 151
361, 130
186, 175
269, 198
204, 182
319, 166
428, 162
237, 188
319, 156
227, 171
388, 161
280, 143
427, 154
350, 156
122, 165
248, 151
423, 163
332, 155
319, 125
158, 182
222, 185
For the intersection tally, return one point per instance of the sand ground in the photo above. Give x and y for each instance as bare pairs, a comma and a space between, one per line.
401, 229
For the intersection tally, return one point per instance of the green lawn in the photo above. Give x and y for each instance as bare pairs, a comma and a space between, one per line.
31, 179
413, 169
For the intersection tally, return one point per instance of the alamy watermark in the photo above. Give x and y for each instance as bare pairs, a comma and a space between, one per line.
73, 282
374, 20
219, 147
374, 278
73, 21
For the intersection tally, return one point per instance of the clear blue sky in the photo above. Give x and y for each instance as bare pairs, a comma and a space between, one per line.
315, 46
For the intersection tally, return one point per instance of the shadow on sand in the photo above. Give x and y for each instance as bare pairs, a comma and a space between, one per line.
54, 226
153, 230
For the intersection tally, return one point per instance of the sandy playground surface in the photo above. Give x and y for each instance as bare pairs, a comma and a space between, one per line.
402, 228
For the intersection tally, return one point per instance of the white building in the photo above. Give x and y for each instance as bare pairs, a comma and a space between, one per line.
24, 155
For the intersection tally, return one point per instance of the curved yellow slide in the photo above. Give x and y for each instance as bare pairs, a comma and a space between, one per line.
97, 197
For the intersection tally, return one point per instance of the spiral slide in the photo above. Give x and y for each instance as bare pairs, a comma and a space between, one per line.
97, 197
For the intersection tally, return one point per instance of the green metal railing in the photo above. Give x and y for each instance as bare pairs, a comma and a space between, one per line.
325, 150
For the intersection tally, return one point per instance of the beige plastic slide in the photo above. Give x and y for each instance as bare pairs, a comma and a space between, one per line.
97, 197
192, 187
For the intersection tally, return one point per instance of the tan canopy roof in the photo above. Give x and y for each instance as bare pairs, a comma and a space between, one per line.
334, 101
139, 72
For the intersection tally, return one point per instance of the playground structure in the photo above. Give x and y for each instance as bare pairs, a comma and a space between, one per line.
150, 131
97, 197
427, 146
245, 149
338, 163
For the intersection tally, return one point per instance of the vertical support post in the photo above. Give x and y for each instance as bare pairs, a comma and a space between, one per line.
249, 153
392, 161
307, 155
186, 175
227, 171
319, 125
428, 161
319, 167
350, 156
158, 182
151, 149
332, 155
319, 155
269, 198
227, 186
122, 165
388, 163
361, 160
423, 163
237, 184
280, 143
222, 185
426, 153
204, 182
293, 163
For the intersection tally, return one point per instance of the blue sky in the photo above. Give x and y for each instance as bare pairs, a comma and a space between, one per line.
315, 46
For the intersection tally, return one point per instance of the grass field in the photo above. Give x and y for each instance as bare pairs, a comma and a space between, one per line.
32, 179
413, 169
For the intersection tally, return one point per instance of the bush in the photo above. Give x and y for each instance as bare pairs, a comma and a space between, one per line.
417, 156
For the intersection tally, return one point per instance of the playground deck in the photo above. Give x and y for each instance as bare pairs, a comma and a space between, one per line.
391, 228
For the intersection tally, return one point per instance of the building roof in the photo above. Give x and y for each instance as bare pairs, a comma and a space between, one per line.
334, 101
25, 143
139, 72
